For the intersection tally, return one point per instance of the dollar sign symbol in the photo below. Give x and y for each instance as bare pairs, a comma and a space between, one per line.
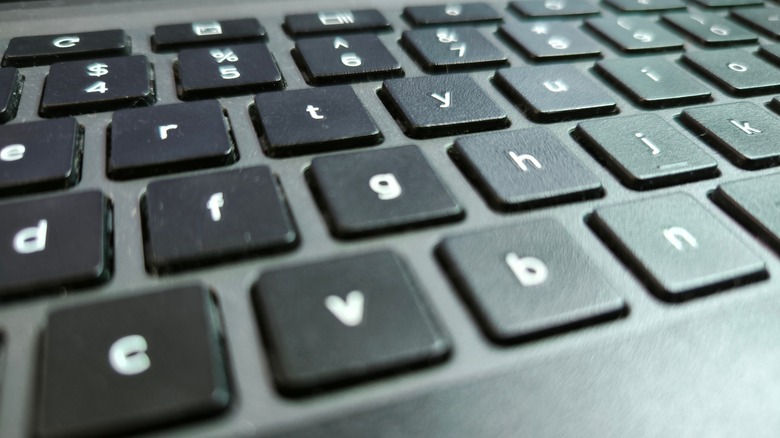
97, 69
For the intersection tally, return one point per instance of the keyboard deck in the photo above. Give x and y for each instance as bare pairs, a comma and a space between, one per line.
546, 218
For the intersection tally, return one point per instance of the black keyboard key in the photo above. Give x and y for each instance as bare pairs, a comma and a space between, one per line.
729, 3
236, 69
646, 5
552, 93
554, 8
654, 82
452, 13
10, 92
766, 20
524, 169
645, 152
743, 131
736, 71
528, 281
382, 190
78, 87
431, 106
337, 321
362, 57
54, 243
136, 363
209, 32
203, 219
168, 138
711, 29
447, 49
635, 34
40, 155
676, 247
335, 21
754, 202
550, 41
47, 49
324, 119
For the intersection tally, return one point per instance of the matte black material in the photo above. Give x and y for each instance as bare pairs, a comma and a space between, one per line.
646, 5
379, 191
635, 34
710, 29
198, 220
550, 41
168, 138
754, 202
333, 59
736, 71
762, 19
78, 87
135, 363
10, 92
654, 82
325, 119
453, 13
429, 106
206, 32
451, 48
676, 246
47, 49
742, 131
335, 21
553, 93
544, 8
524, 169
59, 242
40, 155
334, 321
528, 281
227, 70
645, 152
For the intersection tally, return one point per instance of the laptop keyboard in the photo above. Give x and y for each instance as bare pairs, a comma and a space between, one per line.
255, 224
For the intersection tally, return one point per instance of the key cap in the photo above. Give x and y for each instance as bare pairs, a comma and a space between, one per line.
336, 321
10, 92
766, 20
554, 92
431, 106
728, 3
528, 281
46, 49
337, 21
223, 71
645, 152
755, 204
645, 5
361, 57
770, 52
676, 247
78, 87
653, 82
736, 71
524, 169
137, 362
168, 138
554, 8
207, 32
59, 242
204, 219
635, 34
40, 155
451, 13
380, 191
550, 41
448, 49
324, 119
710, 29
742, 131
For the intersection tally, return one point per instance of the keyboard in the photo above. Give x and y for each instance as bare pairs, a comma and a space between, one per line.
546, 218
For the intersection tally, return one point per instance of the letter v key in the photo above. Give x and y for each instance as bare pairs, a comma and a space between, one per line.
349, 311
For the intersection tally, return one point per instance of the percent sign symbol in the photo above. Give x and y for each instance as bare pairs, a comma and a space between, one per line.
224, 55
